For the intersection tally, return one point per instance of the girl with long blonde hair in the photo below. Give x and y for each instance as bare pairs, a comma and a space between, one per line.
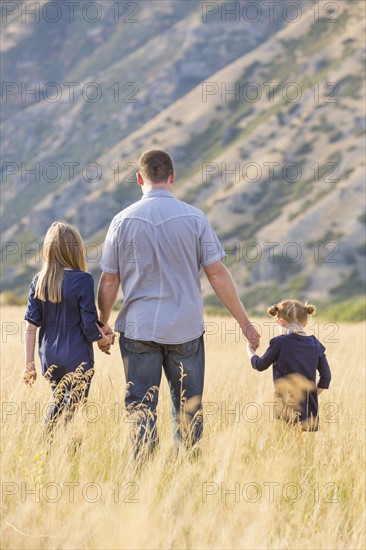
61, 303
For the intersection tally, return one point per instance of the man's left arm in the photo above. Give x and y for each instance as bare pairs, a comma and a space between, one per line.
223, 284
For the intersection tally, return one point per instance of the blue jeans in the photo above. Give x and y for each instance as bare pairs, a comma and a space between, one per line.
184, 366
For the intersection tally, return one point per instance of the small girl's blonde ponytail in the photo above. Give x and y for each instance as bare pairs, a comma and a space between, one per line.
273, 310
310, 308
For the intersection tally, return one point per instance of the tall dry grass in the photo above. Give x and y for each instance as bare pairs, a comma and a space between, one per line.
256, 485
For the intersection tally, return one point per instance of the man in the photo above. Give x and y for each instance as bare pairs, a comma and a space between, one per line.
155, 249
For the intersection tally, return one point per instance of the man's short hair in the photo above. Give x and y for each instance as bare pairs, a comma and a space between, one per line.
156, 166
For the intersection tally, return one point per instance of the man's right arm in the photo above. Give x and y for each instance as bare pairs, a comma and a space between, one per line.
223, 284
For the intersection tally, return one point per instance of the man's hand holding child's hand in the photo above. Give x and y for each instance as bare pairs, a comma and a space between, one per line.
252, 335
250, 350
107, 341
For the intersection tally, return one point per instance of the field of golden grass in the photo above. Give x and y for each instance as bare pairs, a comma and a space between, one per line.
255, 486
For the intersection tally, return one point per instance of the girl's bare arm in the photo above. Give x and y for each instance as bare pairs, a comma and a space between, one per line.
30, 375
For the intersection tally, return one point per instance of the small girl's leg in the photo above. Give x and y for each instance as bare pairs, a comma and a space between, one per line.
69, 393
55, 407
77, 396
78, 391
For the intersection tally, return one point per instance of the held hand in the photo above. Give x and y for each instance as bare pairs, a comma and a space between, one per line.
252, 335
108, 331
250, 350
29, 374
109, 343
105, 343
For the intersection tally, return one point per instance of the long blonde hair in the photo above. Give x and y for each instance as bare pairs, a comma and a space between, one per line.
62, 247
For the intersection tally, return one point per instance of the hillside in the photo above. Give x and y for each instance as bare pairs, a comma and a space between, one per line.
278, 166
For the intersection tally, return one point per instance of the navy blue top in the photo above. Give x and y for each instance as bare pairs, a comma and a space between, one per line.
68, 328
294, 353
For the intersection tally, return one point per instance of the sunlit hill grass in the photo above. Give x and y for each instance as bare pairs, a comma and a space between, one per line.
256, 484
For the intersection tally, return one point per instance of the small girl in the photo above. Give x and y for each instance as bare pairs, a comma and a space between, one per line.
61, 302
295, 358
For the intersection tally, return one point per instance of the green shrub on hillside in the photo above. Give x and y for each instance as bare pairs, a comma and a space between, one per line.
347, 311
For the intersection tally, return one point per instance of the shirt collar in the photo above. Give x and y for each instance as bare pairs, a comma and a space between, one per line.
157, 193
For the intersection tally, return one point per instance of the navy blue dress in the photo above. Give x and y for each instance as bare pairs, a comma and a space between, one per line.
68, 328
304, 355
